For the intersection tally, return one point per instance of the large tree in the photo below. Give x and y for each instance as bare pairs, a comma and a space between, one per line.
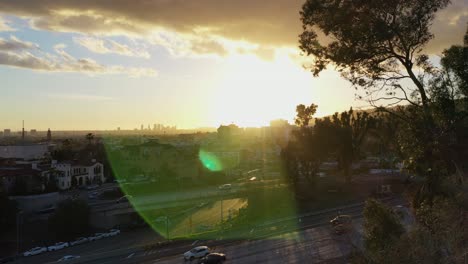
374, 44
71, 219
350, 131
302, 155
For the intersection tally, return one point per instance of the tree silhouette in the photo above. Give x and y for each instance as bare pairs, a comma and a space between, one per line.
90, 137
370, 41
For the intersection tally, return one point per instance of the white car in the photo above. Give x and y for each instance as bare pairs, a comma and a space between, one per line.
68, 257
79, 241
113, 232
96, 236
35, 251
57, 246
225, 187
198, 252
105, 234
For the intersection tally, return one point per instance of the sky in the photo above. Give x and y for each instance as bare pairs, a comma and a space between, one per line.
78, 65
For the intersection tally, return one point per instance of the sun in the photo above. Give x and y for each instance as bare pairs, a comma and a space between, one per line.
254, 91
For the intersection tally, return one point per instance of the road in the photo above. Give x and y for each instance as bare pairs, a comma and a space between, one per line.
312, 243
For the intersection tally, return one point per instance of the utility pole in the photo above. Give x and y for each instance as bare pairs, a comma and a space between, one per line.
18, 215
167, 227
222, 198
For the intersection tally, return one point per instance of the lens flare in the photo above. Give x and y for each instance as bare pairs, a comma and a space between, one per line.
210, 161
164, 187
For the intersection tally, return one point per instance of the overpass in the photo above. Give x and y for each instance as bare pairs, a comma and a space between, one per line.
110, 214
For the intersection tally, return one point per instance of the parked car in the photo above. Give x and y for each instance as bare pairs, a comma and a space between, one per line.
68, 257
93, 195
96, 236
79, 241
341, 219
213, 258
113, 232
8, 259
225, 187
58, 246
197, 252
92, 187
35, 251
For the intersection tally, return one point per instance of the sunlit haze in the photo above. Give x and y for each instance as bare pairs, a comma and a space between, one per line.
63, 70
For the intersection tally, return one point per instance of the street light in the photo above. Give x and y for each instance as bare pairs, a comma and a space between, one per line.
18, 215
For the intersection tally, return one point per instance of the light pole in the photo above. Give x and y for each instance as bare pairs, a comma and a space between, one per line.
221, 208
18, 216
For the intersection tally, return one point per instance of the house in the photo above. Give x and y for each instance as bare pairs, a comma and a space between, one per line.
78, 173
21, 179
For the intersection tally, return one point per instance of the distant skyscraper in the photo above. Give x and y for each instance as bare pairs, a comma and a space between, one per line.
118, 128
22, 132
141, 126
6, 132
49, 135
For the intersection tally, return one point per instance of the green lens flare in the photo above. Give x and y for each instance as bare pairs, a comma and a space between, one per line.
210, 161
194, 192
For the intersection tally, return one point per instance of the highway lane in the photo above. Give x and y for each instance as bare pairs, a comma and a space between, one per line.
313, 245
127, 248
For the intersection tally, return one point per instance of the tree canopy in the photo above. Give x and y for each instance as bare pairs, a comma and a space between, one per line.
370, 42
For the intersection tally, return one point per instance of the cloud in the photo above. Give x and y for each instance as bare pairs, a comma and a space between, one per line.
104, 46
4, 25
21, 54
15, 44
273, 23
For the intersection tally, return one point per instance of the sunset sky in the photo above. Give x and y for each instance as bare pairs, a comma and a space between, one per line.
91, 64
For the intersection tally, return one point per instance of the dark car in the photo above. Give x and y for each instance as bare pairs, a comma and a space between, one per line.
8, 259
341, 220
213, 258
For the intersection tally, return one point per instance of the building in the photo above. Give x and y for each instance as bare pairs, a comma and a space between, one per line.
49, 135
7, 132
26, 152
21, 178
78, 173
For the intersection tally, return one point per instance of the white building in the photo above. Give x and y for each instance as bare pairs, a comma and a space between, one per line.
79, 173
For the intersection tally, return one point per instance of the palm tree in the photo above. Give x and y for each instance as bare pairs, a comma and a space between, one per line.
89, 137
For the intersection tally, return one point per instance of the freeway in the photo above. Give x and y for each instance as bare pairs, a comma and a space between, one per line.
275, 242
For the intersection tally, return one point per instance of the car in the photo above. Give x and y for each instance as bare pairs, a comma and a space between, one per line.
113, 232
225, 187
8, 259
58, 246
93, 195
102, 235
35, 251
197, 252
213, 258
78, 241
341, 229
96, 236
68, 257
341, 219
92, 187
